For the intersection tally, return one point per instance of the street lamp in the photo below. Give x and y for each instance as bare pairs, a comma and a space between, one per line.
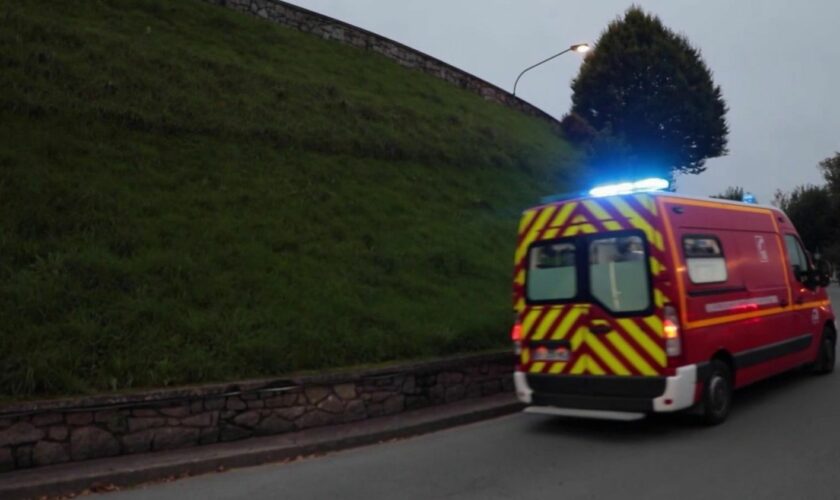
580, 48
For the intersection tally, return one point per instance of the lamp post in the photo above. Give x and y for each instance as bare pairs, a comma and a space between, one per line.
580, 48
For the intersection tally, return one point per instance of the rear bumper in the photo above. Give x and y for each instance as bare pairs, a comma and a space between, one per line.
632, 395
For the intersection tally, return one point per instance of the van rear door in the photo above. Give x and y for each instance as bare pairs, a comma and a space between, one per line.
586, 292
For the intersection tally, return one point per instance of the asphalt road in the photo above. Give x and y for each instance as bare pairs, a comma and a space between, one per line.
781, 441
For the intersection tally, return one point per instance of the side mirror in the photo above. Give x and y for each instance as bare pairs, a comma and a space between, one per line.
822, 273
810, 279
800, 274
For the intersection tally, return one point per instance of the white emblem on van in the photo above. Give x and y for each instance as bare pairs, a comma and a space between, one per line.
746, 304
761, 249
815, 316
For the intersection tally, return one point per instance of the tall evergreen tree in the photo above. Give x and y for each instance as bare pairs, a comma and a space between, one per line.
651, 99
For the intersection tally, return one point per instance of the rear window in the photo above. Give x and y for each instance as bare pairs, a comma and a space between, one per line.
615, 271
704, 259
618, 275
551, 271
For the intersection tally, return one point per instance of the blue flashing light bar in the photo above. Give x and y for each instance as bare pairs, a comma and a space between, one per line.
651, 184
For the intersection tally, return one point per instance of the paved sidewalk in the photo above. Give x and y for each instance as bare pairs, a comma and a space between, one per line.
129, 470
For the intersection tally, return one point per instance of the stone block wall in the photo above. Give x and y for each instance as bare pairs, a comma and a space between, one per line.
50, 432
332, 29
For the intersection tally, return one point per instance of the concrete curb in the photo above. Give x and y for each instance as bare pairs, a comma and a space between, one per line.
132, 470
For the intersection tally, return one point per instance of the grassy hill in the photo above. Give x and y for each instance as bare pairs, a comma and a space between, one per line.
190, 194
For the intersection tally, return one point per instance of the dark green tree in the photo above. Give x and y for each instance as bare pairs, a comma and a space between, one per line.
649, 89
831, 172
732, 193
811, 209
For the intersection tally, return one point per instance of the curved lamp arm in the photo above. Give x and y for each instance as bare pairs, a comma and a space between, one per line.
580, 48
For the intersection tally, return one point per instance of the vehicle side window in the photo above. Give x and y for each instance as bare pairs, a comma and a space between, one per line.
798, 260
704, 259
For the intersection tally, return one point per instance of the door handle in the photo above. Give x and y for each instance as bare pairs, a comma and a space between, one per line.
600, 328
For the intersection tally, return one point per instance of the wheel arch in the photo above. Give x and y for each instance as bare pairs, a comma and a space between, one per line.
829, 327
726, 357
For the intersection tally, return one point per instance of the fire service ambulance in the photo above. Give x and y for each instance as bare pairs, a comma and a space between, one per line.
631, 301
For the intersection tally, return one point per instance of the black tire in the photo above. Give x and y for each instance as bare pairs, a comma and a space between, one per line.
717, 393
824, 364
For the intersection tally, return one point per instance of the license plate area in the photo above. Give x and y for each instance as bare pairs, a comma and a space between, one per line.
551, 351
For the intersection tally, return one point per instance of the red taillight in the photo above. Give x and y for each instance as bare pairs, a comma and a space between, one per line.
671, 330
516, 332
516, 337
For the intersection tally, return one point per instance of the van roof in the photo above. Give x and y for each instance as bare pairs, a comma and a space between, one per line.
668, 194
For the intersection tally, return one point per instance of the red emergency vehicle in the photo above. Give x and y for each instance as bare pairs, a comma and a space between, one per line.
628, 304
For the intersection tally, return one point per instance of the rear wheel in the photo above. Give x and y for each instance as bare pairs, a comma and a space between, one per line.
717, 393
824, 364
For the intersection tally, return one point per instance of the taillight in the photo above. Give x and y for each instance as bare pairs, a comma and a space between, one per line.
516, 337
671, 329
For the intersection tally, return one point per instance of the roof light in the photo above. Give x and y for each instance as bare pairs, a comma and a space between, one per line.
651, 184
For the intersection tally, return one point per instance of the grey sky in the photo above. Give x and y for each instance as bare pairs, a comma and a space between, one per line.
776, 60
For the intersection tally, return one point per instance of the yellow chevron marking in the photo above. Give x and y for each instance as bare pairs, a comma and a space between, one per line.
630, 354
579, 228
578, 337
656, 267
546, 322
638, 222
520, 277
653, 349
566, 323
542, 219
563, 214
526, 356
526, 219
659, 298
655, 324
647, 202
659, 241
537, 367
550, 233
520, 305
557, 367
579, 366
594, 367
529, 320
596, 210
571, 231
579, 219
606, 356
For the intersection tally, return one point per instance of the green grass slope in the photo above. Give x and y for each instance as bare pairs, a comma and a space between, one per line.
190, 194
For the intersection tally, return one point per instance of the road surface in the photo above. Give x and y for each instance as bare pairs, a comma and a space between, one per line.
781, 441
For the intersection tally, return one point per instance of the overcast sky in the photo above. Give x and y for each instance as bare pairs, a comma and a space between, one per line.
777, 61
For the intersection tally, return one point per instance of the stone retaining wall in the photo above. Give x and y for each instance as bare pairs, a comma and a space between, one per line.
50, 432
332, 29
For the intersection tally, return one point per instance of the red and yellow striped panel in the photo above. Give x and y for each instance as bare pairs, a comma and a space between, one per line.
633, 346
